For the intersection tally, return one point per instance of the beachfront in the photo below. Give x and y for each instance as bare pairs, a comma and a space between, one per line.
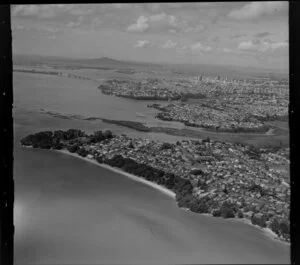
164, 190
221, 179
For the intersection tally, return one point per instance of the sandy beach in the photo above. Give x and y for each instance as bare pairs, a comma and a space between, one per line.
268, 232
133, 177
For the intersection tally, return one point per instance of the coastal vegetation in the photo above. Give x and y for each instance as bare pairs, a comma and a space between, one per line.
77, 141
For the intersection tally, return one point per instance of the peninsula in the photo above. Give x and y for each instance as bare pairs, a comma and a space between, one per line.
222, 179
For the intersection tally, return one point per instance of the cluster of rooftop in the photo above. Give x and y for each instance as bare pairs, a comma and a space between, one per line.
245, 181
235, 105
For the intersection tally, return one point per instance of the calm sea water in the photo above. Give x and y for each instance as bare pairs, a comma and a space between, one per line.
68, 211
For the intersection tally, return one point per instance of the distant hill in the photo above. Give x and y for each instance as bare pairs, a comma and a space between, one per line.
178, 69
77, 62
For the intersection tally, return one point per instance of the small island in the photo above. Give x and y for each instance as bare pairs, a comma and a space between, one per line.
210, 177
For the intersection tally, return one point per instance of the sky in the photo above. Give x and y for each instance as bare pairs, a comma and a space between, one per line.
245, 34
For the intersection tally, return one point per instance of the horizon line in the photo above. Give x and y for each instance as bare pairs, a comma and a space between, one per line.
282, 71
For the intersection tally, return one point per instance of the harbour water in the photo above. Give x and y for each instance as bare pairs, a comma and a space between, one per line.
69, 211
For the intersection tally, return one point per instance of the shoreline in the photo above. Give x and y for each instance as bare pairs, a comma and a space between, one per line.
187, 131
267, 231
119, 171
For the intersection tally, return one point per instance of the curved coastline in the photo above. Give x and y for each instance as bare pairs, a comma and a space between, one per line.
128, 175
268, 232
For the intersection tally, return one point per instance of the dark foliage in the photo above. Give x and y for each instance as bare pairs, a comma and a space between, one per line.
228, 210
41, 140
182, 187
99, 159
259, 220
275, 226
73, 148
240, 214
199, 206
57, 146
72, 134
82, 152
216, 213
166, 146
197, 172
281, 227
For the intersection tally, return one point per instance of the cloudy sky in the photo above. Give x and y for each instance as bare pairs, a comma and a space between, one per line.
253, 34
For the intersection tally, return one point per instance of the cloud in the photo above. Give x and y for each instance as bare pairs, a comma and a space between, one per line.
142, 44
195, 29
76, 23
169, 20
262, 34
80, 11
19, 27
200, 47
96, 23
237, 36
154, 6
158, 17
215, 20
44, 11
169, 44
262, 46
278, 45
257, 9
188, 5
140, 26
52, 37
229, 50
28, 10
161, 20
121, 6
183, 49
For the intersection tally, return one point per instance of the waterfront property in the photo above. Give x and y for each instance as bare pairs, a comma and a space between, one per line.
223, 179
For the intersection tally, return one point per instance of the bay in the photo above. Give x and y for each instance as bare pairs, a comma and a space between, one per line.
69, 211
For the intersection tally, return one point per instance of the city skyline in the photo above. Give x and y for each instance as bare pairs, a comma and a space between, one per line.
245, 34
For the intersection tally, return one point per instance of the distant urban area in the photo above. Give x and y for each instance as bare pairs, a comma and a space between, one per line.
212, 103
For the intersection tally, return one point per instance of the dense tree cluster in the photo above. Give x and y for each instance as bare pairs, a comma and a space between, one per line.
259, 219
82, 152
73, 148
39, 140
70, 139
69, 134
99, 136
182, 187
228, 210
281, 227
166, 146
197, 172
